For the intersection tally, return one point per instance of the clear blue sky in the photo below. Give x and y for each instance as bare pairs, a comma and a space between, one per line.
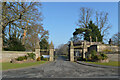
60, 18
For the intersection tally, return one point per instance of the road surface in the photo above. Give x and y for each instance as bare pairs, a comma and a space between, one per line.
62, 69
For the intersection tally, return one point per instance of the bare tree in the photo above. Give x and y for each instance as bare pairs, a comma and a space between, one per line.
35, 34
18, 13
116, 39
62, 49
101, 20
103, 23
85, 16
24, 19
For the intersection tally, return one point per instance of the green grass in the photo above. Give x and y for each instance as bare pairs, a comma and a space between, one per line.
8, 65
111, 63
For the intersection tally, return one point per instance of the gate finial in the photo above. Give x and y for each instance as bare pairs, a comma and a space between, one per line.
51, 45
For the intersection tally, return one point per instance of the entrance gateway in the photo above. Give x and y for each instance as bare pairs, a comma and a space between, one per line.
82, 48
47, 52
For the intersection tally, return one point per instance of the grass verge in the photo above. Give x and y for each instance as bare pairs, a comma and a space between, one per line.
8, 65
111, 63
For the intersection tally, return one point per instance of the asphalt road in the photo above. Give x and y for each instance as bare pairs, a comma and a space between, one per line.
62, 69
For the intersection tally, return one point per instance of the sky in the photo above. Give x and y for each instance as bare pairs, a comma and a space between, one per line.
60, 18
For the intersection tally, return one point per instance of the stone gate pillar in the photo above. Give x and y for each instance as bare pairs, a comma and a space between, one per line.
51, 52
90, 40
71, 51
84, 49
37, 50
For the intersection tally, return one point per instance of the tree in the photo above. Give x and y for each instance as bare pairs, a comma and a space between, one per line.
87, 14
44, 44
90, 30
14, 45
62, 49
24, 19
35, 34
103, 23
116, 39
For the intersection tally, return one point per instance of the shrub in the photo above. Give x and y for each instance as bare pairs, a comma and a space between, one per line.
85, 59
45, 59
93, 54
31, 55
107, 50
21, 58
38, 59
104, 56
79, 59
41, 57
14, 44
97, 57
25, 57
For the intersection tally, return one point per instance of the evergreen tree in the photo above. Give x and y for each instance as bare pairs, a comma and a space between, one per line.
44, 44
14, 44
91, 30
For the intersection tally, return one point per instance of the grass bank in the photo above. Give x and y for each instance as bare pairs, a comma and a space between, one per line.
8, 65
111, 63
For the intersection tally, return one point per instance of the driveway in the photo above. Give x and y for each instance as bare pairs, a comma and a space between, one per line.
62, 69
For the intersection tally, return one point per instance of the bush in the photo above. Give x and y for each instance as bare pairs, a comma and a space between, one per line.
14, 44
38, 59
25, 57
79, 59
97, 56
93, 53
104, 56
45, 59
41, 57
31, 55
107, 50
21, 58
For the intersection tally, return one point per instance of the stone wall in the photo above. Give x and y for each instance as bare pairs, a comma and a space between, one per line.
101, 48
8, 55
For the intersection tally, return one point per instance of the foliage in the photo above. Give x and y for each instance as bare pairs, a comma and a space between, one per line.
104, 56
116, 39
97, 56
44, 44
93, 53
107, 50
24, 19
90, 30
44, 59
82, 59
14, 44
38, 59
62, 49
31, 55
101, 20
41, 57
21, 58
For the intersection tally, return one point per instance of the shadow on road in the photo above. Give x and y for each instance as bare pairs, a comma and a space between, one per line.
62, 58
